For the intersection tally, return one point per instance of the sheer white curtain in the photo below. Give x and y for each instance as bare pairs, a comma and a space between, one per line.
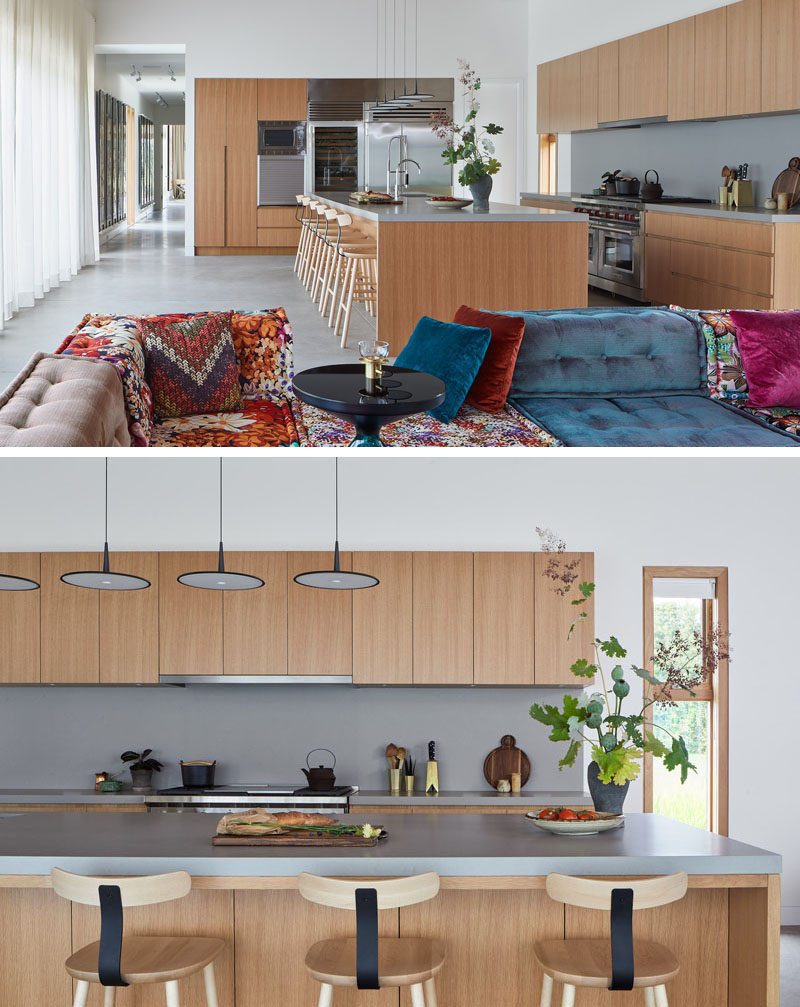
48, 206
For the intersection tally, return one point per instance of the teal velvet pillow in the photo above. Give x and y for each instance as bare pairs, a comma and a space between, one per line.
453, 353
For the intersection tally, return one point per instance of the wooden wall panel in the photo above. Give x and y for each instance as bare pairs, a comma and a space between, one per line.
320, 622
608, 82
255, 622
681, 86
209, 167
443, 618
744, 57
555, 650
36, 942
383, 620
129, 623
503, 618
711, 64
241, 175
190, 619
283, 99
20, 614
70, 620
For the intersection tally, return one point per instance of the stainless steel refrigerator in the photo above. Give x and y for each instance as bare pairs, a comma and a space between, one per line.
417, 142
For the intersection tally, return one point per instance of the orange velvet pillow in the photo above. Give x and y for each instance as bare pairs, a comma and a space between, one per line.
490, 388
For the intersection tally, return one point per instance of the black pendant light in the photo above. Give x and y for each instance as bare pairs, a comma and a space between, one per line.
336, 579
105, 579
220, 579
417, 95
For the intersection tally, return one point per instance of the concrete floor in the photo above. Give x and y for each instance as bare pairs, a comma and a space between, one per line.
144, 269
790, 967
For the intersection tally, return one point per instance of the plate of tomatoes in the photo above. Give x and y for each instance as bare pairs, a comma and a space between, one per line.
570, 822
447, 203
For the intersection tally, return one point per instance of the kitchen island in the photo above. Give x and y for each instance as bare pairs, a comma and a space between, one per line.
493, 868
431, 261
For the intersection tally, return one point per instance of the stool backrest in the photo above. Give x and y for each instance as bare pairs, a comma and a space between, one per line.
591, 893
392, 894
344, 219
141, 891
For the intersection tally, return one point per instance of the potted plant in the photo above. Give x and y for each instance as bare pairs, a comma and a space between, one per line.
683, 662
469, 143
142, 768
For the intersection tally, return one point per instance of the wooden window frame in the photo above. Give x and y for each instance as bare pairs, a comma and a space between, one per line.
548, 163
715, 692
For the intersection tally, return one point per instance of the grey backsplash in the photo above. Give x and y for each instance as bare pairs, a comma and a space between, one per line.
689, 156
57, 737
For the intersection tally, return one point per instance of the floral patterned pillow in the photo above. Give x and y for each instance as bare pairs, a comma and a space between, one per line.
730, 381
263, 344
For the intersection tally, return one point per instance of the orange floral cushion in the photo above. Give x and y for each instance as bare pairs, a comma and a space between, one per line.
262, 341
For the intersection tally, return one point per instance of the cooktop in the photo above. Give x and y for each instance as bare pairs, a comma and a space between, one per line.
639, 199
257, 790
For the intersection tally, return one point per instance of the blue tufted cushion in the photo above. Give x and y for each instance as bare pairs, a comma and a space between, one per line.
671, 420
602, 351
451, 352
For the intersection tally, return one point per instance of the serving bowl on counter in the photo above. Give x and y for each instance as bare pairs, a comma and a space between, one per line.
604, 822
448, 204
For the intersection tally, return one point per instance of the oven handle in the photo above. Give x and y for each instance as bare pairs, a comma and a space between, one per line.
632, 233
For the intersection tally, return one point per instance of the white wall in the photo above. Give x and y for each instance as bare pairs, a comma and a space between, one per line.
631, 512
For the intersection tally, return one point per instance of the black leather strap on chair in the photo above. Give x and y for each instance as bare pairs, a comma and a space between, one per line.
109, 958
367, 939
621, 939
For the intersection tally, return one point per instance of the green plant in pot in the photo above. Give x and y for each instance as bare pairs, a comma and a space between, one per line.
142, 768
618, 736
469, 143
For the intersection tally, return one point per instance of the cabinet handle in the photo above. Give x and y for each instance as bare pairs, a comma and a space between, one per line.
225, 196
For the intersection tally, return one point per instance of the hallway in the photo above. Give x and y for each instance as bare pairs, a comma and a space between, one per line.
144, 270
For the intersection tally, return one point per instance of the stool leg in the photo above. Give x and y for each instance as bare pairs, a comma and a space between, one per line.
417, 995
81, 994
171, 989
661, 996
325, 995
649, 997
547, 991
349, 265
211, 986
430, 992
568, 996
346, 323
109, 996
337, 275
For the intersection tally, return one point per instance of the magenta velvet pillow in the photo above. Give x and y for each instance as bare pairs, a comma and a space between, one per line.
769, 343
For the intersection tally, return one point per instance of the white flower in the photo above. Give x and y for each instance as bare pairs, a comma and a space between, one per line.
370, 832
488, 146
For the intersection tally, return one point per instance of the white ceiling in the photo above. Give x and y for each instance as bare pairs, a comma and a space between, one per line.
154, 68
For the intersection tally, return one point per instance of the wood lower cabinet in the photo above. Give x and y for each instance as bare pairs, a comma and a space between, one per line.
555, 647
320, 622
128, 621
241, 163
643, 74
443, 618
503, 628
70, 626
209, 162
383, 627
190, 619
254, 622
20, 615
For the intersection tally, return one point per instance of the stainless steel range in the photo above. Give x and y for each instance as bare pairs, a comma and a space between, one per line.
238, 797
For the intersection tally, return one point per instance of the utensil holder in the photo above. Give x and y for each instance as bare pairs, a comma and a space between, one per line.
723, 195
409, 785
432, 777
394, 781
742, 193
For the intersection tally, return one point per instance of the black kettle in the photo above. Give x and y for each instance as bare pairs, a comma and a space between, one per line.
320, 777
651, 191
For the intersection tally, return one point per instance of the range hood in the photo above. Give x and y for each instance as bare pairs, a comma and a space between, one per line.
353, 99
255, 679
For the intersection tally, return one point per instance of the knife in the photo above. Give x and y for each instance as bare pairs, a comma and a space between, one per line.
745, 169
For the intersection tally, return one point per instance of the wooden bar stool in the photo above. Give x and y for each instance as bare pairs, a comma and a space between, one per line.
319, 230
302, 219
310, 224
621, 963
116, 961
348, 239
367, 962
360, 284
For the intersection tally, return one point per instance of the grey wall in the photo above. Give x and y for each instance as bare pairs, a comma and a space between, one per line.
54, 737
689, 156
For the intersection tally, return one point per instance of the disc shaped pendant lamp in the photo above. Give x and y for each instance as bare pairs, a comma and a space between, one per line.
9, 582
105, 579
416, 95
220, 579
336, 579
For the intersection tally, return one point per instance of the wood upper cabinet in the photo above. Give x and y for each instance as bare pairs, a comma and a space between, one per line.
320, 622
681, 77
744, 57
383, 620
190, 619
643, 74
608, 82
254, 622
70, 625
589, 83
241, 174
209, 162
565, 94
283, 99
780, 40
20, 612
129, 622
442, 606
504, 618
555, 650
544, 77
711, 64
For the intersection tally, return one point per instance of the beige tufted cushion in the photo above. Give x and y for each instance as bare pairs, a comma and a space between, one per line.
69, 402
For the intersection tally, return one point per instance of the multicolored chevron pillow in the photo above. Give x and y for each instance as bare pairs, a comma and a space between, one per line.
191, 364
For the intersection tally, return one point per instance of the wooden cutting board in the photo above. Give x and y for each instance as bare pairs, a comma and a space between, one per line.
501, 762
789, 181
297, 839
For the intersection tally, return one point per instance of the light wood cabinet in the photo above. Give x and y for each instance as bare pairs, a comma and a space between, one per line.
681, 77
658, 272
503, 629
608, 82
190, 619
320, 622
209, 162
711, 64
589, 85
543, 90
555, 649
383, 628
128, 621
643, 74
241, 173
442, 607
254, 622
70, 624
20, 614
780, 41
283, 99
743, 44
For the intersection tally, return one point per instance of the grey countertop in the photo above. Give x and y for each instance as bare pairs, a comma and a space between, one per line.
558, 196
33, 796
754, 213
474, 798
416, 211
454, 845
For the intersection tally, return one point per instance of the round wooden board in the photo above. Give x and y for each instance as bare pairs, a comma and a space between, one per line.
501, 762
789, 181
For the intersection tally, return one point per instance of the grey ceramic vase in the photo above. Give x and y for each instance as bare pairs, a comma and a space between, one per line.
606, 796
481, 191
142, 780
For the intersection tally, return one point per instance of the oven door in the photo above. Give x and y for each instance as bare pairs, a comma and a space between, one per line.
619, 256
594, 248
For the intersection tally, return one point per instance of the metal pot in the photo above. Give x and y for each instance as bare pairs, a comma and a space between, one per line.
651, 191
627, 186
198, 773
320, 777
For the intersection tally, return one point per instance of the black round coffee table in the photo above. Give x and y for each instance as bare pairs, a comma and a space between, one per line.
340, 389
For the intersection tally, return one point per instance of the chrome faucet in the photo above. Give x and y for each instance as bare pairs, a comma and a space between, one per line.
403, 150
406, 160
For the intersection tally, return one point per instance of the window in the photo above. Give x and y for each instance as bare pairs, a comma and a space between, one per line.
548, 163
691, 602
147, 149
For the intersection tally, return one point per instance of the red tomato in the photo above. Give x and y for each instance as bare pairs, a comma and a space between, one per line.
587, 816
549, 814
566, 815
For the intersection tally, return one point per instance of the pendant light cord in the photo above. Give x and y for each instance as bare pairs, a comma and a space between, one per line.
220, 500
336, 491
105, 537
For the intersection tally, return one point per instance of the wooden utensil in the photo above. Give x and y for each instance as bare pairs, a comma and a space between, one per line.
501, 762
789, 181
391, 755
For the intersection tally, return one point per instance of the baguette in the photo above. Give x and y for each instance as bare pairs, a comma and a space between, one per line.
259, 822
286, 818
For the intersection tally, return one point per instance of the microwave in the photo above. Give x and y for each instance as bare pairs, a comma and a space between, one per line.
281, 139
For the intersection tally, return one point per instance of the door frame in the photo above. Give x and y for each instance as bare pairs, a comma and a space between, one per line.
130, 160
